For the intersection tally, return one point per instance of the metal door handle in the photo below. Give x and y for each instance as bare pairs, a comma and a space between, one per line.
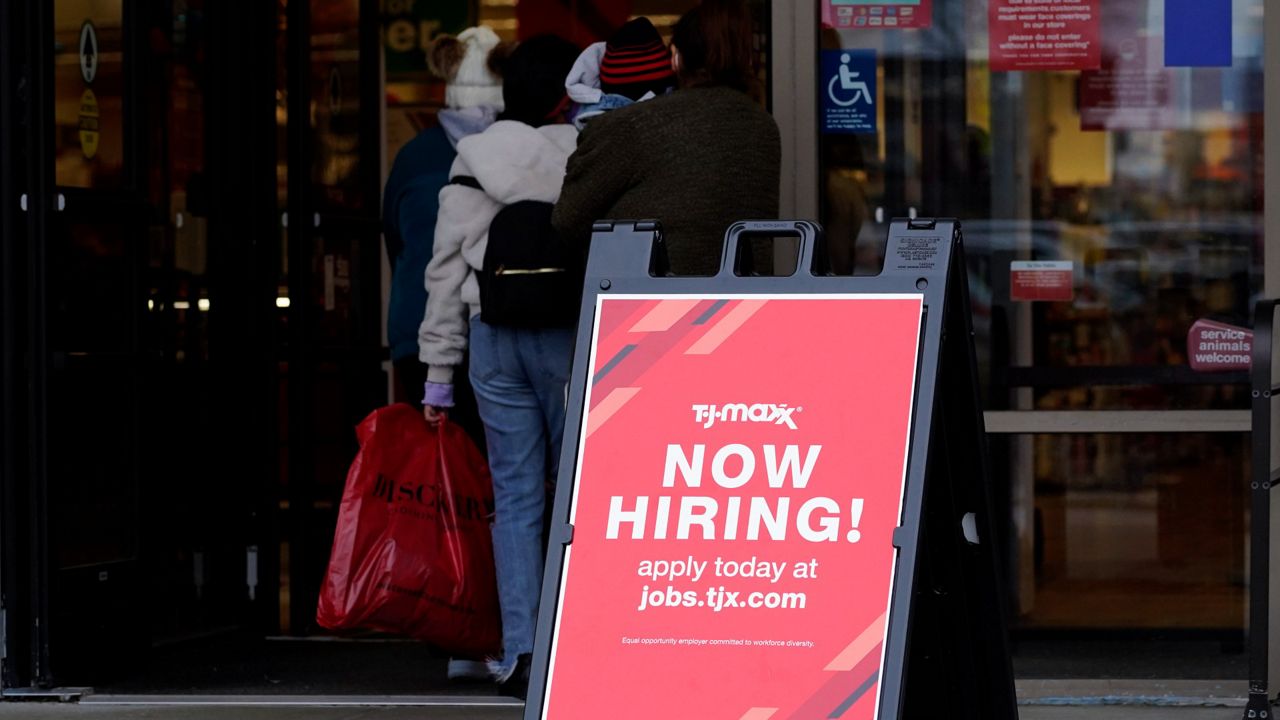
61, 202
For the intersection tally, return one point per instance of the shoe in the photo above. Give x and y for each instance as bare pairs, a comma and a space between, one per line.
500, 672
468, 670
514, 680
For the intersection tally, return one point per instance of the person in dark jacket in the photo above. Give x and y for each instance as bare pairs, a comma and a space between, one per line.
697, 159
473, 99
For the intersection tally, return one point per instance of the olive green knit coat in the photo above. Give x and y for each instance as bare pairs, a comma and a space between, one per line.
697, 160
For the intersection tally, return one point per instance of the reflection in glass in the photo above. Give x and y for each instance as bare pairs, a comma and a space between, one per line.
1138, 531
89, 93
1147, 181
335, 103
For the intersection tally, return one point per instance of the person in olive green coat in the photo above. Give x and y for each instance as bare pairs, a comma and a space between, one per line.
697, 159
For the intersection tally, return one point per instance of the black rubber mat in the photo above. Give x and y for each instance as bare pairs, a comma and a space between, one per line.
1131, 658
239, 665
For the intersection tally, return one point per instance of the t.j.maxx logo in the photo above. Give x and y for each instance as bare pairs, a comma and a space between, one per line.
709, 415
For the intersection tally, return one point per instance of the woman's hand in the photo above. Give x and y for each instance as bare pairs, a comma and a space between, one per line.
437, 398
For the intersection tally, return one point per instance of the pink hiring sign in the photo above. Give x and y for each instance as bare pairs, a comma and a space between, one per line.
1044, 35
712, 586
1219, 347
1032, 280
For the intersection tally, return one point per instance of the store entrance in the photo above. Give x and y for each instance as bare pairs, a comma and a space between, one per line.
191, 328
1110, 211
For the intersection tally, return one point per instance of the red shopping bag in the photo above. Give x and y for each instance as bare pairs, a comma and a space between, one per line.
412, 554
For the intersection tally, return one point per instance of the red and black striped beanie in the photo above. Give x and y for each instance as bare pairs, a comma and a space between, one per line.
636, 61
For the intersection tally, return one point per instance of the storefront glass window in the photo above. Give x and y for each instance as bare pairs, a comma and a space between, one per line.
408, 27
335, 104
89, 94
1136, 531
1105, 159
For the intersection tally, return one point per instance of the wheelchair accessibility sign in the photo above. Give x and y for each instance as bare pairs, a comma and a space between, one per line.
849, 91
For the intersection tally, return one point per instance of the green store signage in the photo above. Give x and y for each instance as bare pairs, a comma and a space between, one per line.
408, 27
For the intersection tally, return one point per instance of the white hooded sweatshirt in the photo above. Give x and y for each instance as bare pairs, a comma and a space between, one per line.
512, 162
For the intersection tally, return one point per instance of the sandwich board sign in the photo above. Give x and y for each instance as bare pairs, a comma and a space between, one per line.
772, 501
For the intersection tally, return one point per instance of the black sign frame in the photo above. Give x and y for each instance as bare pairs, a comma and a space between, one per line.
947, 646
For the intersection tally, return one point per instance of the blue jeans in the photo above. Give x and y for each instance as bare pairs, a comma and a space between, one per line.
519, 377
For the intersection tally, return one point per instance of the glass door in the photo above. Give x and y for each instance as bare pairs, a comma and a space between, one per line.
91, 311
131, 502
332, 357
18, 566
1109, 177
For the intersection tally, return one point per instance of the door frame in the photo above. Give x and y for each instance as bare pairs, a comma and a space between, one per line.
795, 104
26, 572
14, 567
1271, 288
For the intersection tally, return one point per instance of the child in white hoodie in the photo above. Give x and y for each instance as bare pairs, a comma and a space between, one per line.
519, 374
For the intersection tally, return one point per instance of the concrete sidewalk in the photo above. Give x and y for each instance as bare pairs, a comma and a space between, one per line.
1039, 700
71, 711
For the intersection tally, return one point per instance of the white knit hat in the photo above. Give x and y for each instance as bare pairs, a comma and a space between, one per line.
463, 62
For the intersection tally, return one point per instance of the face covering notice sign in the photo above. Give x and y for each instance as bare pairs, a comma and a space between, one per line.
740, 476
1044, 35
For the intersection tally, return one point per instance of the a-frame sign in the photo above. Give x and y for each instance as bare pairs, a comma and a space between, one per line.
773, 496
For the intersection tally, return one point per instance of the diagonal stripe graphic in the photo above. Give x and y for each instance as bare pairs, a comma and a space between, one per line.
853, 654
664, 315
856, 696
705, 317
615, 327
613, 362
759, 713
722, 330
838, 688
600, 414
651, 348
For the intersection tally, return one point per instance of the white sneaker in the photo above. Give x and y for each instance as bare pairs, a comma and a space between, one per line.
499, 671
460, 669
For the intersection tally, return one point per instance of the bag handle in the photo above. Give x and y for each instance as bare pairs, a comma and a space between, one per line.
448, 514
813, 256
